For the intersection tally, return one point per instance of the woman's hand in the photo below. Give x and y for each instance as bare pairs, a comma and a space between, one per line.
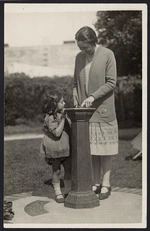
88, 102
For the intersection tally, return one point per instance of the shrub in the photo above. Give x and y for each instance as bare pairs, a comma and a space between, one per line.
20, 121
129, 101
23, 98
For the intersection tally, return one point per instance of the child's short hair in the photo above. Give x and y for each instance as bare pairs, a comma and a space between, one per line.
50, 101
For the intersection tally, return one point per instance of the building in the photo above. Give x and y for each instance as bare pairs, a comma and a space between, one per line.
56, 60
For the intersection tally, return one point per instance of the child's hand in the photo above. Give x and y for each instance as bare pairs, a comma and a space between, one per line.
63, 113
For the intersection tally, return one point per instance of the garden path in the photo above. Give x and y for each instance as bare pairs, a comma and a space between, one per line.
122, 209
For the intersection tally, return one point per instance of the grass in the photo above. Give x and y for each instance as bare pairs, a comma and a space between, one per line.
25, 170
32, 127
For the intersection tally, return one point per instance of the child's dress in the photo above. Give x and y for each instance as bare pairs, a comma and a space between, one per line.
52, 146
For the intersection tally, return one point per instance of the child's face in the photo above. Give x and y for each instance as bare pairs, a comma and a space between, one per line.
61, 105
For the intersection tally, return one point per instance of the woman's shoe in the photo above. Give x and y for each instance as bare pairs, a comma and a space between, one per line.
98, 189
103, 196
59, 198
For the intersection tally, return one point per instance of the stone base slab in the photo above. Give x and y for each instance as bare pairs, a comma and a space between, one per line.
81, 200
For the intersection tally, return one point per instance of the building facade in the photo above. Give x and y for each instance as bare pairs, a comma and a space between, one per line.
56, 60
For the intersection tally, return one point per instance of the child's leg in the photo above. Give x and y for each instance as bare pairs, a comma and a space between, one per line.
56, 183
56, 180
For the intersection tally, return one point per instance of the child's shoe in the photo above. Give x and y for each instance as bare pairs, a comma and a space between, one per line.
59, 198
97, 189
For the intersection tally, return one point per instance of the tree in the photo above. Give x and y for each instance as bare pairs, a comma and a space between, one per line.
121, 31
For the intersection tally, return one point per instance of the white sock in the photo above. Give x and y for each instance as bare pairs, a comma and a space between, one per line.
94, 187
57, 188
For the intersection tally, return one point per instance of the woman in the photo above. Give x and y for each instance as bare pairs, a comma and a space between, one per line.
94, 84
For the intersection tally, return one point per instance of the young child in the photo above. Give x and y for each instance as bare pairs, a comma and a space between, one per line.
55, 143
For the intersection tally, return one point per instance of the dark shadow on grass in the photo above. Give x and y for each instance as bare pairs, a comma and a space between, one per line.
128, 134
132, 155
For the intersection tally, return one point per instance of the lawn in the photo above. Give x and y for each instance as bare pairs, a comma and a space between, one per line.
25, 170
32, 127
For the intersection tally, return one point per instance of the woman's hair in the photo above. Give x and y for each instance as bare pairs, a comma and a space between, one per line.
86, 34
50, 101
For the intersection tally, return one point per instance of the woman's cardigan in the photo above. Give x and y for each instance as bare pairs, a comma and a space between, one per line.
102, 82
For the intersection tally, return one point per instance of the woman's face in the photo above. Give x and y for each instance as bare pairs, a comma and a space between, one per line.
86, 47
60, 105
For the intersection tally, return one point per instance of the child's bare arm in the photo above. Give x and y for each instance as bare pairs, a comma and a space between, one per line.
58, 131
53, 127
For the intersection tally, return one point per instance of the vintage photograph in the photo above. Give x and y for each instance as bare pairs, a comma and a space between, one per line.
75, 138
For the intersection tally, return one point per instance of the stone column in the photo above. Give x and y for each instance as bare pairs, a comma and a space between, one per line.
81, 194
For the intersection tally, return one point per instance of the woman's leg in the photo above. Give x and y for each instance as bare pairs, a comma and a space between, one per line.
106, 163
96, 163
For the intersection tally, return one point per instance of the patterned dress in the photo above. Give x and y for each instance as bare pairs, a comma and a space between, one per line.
103, 135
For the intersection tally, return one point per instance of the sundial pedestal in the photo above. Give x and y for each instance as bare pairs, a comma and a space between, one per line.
81, 194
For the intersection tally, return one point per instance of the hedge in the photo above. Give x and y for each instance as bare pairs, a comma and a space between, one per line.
23, 97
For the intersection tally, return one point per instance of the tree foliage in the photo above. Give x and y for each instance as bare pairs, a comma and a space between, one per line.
121, 31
